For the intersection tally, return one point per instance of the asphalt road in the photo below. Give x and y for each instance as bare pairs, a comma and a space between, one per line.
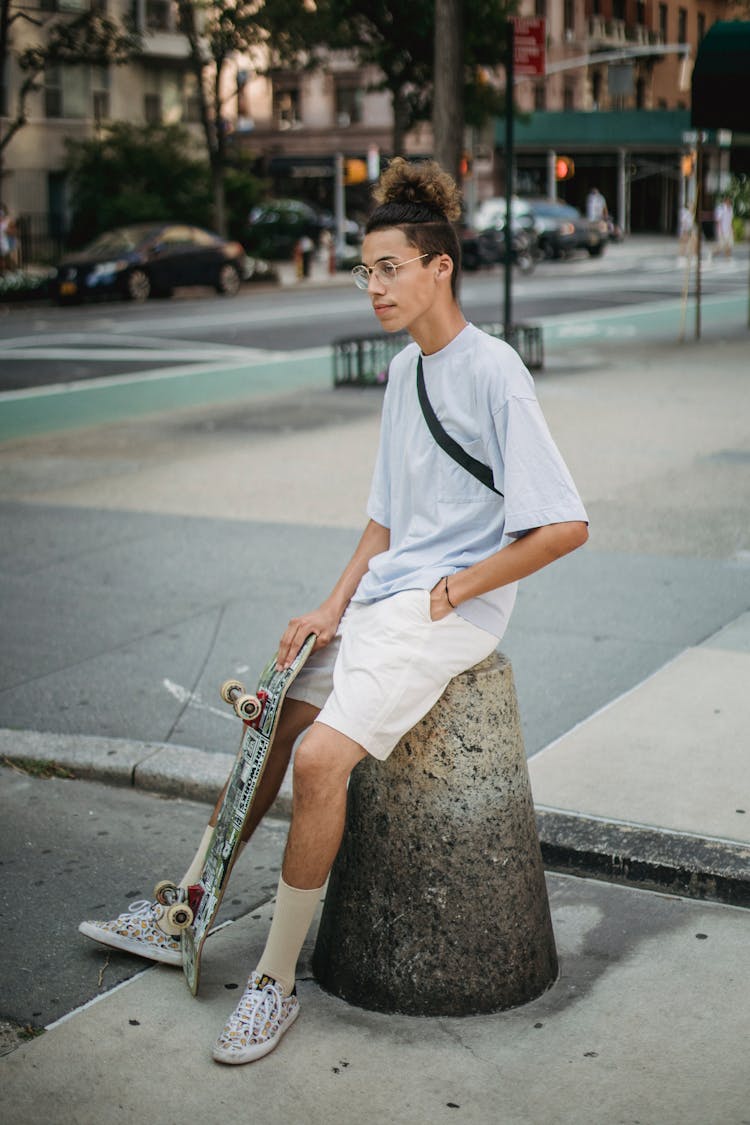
48, 345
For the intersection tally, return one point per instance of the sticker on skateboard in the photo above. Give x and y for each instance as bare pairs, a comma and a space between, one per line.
194, 909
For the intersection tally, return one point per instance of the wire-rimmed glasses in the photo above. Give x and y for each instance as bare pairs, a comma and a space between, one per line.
385, 272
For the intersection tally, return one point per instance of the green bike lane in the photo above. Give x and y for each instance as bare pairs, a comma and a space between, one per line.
89, 402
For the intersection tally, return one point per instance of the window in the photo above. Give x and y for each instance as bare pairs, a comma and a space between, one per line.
100, 93
286, 106
569, 95
159, 15
66, 91
348, 104
540, 96
540, 8
663, 21
701, 27
682, 25
569, 16
152, 109
192, 111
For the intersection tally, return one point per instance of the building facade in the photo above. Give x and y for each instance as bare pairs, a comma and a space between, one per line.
615, 99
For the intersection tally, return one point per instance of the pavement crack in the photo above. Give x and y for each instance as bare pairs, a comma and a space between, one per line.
201, 669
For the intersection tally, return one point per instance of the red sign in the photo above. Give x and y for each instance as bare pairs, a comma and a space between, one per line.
529, 37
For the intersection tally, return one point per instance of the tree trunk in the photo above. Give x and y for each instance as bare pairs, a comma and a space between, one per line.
401, 120
448, 103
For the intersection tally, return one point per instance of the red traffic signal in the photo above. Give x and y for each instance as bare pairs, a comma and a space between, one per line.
564, 168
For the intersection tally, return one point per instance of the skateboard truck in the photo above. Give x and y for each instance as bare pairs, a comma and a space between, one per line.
180, 910
247, 707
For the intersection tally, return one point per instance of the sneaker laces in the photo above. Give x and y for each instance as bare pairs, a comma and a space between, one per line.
260, 1006
142, 908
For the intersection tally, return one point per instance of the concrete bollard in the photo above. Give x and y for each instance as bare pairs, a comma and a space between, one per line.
437, 904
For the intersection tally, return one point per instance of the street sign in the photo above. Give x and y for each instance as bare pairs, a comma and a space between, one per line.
529, 42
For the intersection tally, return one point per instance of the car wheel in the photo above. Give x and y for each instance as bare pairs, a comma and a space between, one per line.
137, 286
596, 251
229, 281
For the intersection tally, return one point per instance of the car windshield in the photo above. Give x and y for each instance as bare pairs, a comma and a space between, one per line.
555, 210
121, 240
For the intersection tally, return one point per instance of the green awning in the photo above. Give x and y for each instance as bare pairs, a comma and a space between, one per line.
721, 78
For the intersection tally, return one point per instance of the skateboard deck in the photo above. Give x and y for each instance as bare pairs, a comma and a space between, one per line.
260, 715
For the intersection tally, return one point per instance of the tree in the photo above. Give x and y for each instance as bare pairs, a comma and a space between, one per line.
147, 173
217, 32
448, 103
394, 39
89, 38
135, 173
399, 41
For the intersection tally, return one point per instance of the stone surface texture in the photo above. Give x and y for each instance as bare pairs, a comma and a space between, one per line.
437, 903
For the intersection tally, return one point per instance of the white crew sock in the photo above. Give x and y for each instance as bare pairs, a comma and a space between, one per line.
295, 910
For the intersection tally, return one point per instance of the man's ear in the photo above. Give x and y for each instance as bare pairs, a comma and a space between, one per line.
444, 267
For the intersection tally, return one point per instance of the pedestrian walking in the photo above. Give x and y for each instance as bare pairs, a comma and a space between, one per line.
429, 590
723, 226
596, 206
686, 232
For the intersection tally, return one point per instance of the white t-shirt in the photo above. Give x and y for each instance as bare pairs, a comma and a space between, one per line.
441, 518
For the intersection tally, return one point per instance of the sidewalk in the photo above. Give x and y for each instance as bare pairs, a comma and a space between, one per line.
649, 1018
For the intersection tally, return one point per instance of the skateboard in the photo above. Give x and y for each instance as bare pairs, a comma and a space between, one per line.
193, 909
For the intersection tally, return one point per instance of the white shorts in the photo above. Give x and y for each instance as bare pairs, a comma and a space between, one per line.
387, 666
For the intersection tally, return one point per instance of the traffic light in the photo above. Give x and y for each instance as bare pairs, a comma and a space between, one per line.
564, 168
355, 172
687, 164
465, 165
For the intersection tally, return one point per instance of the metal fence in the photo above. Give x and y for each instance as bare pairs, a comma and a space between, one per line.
361, 361
40, 239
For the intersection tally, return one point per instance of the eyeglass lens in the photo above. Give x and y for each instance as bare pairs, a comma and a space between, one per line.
384, 273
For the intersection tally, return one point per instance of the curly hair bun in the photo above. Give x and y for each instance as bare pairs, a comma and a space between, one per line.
422, 185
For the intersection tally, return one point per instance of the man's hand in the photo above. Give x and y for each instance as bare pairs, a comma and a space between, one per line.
440, 607
323, 621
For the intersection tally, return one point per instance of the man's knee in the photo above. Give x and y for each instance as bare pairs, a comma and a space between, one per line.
323, 760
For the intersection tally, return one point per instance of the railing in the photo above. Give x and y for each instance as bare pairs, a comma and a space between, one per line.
361, 361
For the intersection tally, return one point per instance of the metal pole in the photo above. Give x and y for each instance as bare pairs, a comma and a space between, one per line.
339, 206
509, 176
699, 241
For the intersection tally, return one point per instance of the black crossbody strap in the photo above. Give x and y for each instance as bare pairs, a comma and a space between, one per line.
450, 446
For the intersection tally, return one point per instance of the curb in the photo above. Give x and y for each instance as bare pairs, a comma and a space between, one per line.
151, 767
647, 857
651, 858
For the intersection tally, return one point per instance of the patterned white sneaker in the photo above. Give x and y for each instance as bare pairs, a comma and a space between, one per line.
137, 931
257, 1023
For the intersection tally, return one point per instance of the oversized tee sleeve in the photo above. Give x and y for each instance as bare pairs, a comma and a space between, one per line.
539, 489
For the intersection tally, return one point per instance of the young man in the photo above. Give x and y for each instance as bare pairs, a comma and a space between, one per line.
429, 589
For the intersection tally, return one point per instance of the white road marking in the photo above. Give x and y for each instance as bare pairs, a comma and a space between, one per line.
193, 699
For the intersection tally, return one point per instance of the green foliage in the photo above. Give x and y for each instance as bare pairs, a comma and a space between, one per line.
399, 41
144, 173
243, 191
739, 190
135, 173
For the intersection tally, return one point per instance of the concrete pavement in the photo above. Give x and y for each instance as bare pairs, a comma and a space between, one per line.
648, 1020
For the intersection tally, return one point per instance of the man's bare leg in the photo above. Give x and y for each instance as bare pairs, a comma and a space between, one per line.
295, 717
325, 758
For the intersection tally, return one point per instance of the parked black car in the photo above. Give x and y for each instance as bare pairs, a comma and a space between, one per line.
562, 229
150, 260
275, 227
487, 247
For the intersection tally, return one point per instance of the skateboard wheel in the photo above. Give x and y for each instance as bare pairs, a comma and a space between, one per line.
179, 916
230, 690
248, 707
165, 892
